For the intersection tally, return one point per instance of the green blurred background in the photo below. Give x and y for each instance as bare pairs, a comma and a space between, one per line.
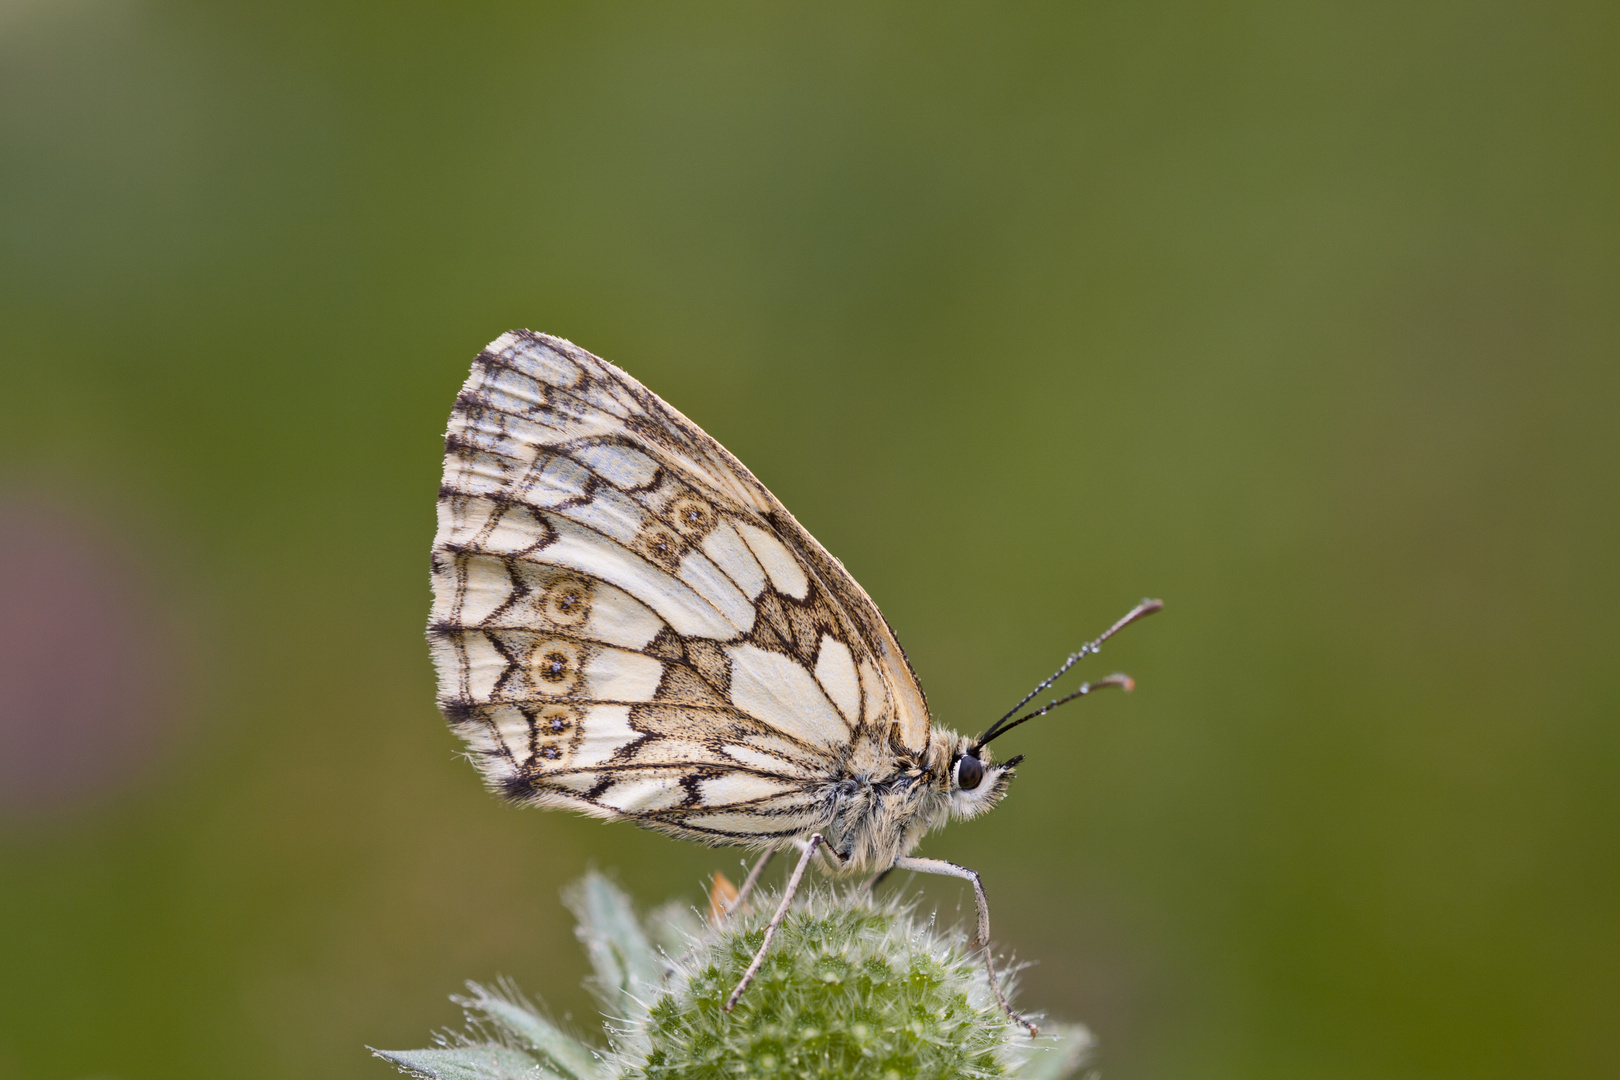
1302, 316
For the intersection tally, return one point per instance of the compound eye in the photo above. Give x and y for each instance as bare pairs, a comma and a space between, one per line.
969, 772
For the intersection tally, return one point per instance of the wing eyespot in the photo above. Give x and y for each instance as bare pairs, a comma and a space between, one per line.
692, 516
661, 546
568, 602
555, 730
555, 666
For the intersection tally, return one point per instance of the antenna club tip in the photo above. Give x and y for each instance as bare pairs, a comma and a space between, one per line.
1125, 682
1150, 605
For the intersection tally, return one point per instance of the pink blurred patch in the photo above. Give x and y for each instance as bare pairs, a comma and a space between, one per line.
88, 660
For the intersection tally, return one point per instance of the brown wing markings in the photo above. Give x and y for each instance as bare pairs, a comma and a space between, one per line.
698, 809
654, 723
568, 404
465, 712
667, 645
514, 688
723, 726
682, 682
678, 516
521, 590
702, 770
687, 775
711, 662
460, 575
659, 425
470, 455
799, 795
797, 820
488, 420
490, 417
570, 448
683, 685
795, 628
488, 359
457, 444
850, 598
492, 362
662, 426
670, 503
810, 620
721, 838
503, 504
587, 494
675, 434
594, 374
771, 628
561, 599
683, 821
536, 677
867, 623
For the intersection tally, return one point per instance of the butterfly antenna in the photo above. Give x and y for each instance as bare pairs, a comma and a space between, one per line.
1002, 726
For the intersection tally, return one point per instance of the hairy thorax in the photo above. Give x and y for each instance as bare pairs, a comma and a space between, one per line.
878, 816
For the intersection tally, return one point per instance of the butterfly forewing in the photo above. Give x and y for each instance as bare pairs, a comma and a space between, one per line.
627, 623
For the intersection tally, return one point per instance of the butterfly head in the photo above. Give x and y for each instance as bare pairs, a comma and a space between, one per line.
977, 783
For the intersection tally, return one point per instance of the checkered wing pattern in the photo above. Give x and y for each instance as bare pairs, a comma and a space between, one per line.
627, 623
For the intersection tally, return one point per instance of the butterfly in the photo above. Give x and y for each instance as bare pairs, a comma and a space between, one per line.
626, 623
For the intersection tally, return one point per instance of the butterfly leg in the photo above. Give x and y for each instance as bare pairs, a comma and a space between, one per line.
748, 884
981, 936
830, 860
788, 893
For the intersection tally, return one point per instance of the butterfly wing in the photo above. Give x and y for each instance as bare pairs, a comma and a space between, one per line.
627, 623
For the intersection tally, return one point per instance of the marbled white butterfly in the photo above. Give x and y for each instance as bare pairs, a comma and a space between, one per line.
628, 624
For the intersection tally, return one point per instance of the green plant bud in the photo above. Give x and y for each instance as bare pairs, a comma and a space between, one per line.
850, 990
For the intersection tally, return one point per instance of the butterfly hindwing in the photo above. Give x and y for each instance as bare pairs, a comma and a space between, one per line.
627, 623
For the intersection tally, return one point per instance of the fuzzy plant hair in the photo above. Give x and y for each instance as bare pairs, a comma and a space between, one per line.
851, 990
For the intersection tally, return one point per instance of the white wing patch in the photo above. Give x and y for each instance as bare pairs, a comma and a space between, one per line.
611, 513
618, 675
758, 824
607, 731
785, 572
512, 730
482, 665
756, 759
619, 465
546, 365
872, 692
486, 587
707, 581
642, 795
730, 554
561, 480
780, 692
835, 671
488, 526
619, 619
741, 788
